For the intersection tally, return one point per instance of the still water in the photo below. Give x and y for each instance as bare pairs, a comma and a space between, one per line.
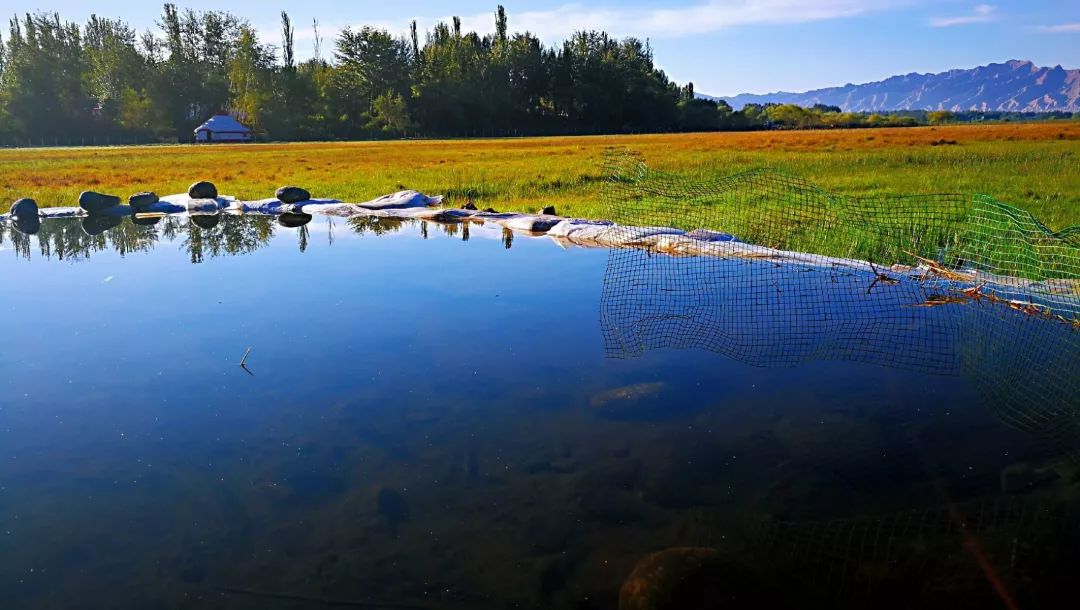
455, 417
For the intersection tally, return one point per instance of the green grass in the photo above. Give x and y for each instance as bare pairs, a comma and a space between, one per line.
1032, 166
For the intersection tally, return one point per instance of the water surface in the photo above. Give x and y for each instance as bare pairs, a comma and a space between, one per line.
456, 417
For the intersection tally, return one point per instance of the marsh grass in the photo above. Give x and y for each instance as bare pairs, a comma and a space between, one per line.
1029, 165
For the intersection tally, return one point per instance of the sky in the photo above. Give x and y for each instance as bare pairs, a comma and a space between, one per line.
724, 47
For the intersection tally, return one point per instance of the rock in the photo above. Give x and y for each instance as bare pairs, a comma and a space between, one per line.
491, 210
630, 393
401, 200
548, 211
469, 206
96, 203
292, 194
203, 190
692, 578
710, 236
24, 208
293, 220
96, 225
142, 200
529, 224
205, 221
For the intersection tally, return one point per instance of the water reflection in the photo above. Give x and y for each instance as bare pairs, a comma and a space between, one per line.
201, 235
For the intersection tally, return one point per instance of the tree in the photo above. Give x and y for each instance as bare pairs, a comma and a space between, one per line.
248, 74
939, 117
390, 113
370, 62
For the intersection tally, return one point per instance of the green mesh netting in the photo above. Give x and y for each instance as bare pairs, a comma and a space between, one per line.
967, 287
1005, 250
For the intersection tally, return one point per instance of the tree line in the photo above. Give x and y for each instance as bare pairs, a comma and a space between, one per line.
63, 80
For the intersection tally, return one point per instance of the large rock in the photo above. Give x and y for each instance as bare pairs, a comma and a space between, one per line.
401, 200
292, 194
693, 578
24, 208
140, 201
203, 190
96, 203
548, 211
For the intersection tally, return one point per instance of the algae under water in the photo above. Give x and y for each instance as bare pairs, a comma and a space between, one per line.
447, 416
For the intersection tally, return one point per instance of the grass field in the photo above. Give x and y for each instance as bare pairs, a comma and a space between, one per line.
1034, 166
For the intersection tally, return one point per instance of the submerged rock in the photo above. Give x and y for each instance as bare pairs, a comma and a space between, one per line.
292, 194
24, 208
96, 203
143, 200
633, 392
692, 578
98, 224
547, 211
293, 220
203, 190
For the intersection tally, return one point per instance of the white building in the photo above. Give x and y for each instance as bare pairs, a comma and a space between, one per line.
223, 128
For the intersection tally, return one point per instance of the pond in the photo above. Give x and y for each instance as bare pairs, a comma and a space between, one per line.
452, 416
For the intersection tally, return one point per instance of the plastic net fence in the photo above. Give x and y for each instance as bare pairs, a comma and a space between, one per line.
960, 238
940, 302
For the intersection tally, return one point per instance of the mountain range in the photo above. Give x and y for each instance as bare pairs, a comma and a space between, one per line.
1014, 86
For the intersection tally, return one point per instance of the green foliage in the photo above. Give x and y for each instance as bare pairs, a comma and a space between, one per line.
390, 113
60, 81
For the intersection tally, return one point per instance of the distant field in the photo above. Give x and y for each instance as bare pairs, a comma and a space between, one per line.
1035, 166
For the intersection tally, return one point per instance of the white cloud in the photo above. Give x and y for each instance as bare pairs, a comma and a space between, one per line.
559, 23
1060, 28
981, 13
701, 18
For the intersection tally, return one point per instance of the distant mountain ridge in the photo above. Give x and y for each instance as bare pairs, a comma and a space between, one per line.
1014, 86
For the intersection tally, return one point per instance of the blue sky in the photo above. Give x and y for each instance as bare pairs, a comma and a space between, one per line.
724, 46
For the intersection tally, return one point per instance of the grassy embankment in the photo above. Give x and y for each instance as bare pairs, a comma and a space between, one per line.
1033, 166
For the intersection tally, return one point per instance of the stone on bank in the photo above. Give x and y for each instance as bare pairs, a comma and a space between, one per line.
292, 194
96, 203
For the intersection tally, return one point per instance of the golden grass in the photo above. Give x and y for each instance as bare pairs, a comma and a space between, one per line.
1030, 165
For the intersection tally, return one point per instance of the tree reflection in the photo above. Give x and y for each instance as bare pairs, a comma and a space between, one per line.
201, 236
227, 235
364, 225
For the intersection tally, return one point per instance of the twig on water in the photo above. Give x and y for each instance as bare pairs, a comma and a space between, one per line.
880, 278
319, 600
243, 362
